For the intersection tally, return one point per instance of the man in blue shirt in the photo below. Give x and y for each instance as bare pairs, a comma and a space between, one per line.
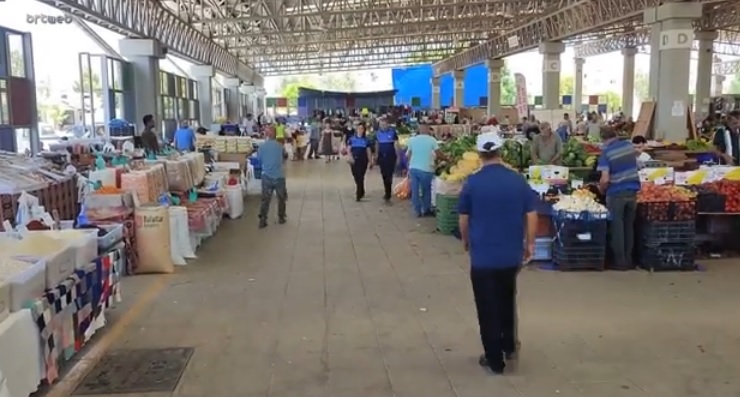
184, 137
496, 206
270, 154
620, 182
386, 140
313, 139
421, 151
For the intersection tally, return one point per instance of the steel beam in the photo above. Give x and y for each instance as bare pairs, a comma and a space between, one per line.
147, 19
727, 43
370, 12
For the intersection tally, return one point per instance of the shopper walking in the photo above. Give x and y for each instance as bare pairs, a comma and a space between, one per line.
620, 183
726, 141
327, 146
270, 154
421, 153
360, 158
496, 204
386, 156
314, 132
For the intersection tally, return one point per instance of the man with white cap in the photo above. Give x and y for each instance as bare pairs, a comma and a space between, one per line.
496, 205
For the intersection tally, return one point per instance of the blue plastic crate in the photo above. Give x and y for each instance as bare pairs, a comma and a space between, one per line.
542, 249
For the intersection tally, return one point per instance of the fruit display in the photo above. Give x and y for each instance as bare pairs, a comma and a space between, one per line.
664, 193
578, 204
469, 164
666, 203
451, 152
584, 193
731, 191
574, 154
591, 148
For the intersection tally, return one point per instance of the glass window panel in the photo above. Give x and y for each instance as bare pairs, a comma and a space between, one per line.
111, 82
118, 109
163, 83
17, 55
4, 113
193, 106
117, 74
183, 88
3, 84
23, 140
184, 111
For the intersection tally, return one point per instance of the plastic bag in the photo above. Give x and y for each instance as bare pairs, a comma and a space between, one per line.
26, 203
402, 190
289, 150
175, 254
253, 185
179, 215
235, 201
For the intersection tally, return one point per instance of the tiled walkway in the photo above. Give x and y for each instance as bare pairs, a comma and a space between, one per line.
355, 299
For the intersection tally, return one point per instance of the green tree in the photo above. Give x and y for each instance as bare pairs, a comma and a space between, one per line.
642, 86
17, 64
344, 82
735, 84
91, 83
54, 114
567, 85
613, 101
508, 86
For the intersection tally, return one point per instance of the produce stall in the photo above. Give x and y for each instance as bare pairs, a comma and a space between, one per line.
685, 210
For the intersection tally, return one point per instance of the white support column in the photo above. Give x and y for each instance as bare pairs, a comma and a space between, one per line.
144, 56
551, 52
203, 75
676, 36
654, 72
628, 82
578, 86
459, 84
703, 91
436, 101
233, 106
494, 86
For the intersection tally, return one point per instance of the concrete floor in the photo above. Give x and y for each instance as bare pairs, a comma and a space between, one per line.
355, 299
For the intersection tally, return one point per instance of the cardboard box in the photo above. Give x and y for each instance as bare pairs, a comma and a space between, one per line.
695, 177
59, 265
549, 173
98, 201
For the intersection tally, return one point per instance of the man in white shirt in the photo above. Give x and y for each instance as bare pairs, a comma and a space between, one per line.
249, 125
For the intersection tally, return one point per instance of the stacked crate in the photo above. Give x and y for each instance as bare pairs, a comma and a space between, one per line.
669, 243
447, 216
580, 241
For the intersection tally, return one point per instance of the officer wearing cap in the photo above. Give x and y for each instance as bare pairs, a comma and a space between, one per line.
496, 205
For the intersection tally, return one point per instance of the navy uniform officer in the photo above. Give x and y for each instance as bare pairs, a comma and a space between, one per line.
386, 155
360, 158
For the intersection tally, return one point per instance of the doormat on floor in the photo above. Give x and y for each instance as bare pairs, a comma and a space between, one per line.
136, 371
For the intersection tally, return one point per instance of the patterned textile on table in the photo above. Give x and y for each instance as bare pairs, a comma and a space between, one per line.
68, 315
129, 239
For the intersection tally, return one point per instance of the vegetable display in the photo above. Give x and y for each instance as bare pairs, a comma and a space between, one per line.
469, 164
578, 204
574, 154
699, 145
664, 193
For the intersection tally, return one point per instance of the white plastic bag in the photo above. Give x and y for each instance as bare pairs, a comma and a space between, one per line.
26, 203
179, 215
235, 201
253, 185
177, 258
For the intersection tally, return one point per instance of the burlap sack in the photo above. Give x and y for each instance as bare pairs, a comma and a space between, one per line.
153, 240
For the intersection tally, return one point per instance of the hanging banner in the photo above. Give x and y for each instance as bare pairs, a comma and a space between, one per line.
567, 100
415, 101
538, 100
282, 102
593, 100
270, 102
522, 106
483, 101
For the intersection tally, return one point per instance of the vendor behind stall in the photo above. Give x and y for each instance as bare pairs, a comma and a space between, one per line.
149, 140
726, 140
640, 144
547, 148
620, 182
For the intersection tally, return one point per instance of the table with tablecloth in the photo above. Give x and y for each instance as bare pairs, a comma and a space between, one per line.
21, 364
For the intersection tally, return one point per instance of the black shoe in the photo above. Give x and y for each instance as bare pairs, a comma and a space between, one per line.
430, 214
282, 220
510, 356
483, 362
262, 224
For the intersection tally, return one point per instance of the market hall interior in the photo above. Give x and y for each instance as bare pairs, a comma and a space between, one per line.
359, 299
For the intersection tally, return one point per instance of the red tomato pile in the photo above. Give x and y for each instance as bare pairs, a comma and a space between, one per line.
731, 191
664, 193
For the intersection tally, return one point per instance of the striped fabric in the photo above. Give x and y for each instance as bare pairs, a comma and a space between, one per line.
619, 159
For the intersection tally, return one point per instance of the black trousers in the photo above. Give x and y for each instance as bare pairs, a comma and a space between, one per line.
359, 169
387, 163
495, 301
